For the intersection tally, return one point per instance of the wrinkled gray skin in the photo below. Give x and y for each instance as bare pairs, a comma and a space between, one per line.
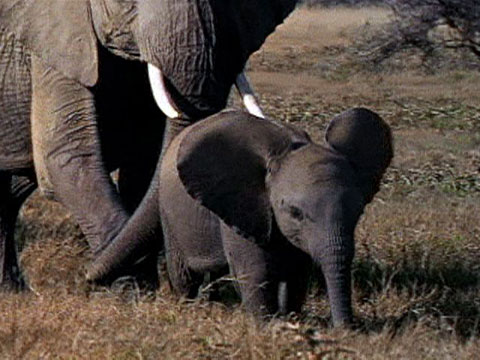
131, 147
74, 82
259, 199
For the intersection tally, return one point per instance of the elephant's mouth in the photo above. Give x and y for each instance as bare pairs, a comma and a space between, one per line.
168, 107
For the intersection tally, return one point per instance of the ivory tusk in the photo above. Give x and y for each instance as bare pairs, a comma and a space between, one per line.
160, 94
248, 95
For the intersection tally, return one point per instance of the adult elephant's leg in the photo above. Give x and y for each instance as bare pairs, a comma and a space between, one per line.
67, 154
9, 270
134, 179
125, 107
13, 193
135, 176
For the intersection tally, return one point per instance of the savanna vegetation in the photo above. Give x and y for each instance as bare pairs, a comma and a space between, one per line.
443, 33
417, 266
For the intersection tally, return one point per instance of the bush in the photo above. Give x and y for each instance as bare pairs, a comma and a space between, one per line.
432, 27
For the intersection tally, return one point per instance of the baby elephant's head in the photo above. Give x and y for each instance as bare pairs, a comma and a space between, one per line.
318, 194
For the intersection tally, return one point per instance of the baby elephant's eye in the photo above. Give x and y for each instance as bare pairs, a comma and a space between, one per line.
296, 213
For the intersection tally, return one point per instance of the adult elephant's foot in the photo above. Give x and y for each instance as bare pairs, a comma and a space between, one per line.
12, 281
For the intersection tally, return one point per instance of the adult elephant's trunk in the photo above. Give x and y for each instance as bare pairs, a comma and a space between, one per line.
135, 249
179, 38
335, 258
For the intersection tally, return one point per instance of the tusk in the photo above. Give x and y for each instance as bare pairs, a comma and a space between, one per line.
160, 94
248, 95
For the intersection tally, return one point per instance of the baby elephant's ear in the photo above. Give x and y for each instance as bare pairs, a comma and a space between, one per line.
227, 177
365, 138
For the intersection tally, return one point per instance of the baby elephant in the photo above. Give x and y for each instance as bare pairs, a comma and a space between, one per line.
259, 198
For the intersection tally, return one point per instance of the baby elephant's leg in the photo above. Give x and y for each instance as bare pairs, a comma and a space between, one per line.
255, 270
299, 267
183, 280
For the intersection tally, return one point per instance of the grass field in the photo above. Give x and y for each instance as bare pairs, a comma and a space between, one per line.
417, 266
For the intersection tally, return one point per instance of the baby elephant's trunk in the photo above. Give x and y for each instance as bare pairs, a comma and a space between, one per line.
335, 259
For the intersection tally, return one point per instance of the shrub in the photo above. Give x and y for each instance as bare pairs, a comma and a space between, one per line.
431, 27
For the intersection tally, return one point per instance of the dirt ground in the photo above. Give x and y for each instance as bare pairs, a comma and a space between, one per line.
417, 266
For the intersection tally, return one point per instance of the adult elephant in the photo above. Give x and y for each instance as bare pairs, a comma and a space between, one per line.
73, 81
260, 198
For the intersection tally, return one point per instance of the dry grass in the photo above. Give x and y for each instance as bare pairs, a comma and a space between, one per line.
416, 273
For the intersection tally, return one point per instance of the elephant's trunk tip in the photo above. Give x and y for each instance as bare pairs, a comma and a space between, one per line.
95, 272
99, 270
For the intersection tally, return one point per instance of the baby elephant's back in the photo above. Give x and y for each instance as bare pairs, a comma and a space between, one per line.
15, 104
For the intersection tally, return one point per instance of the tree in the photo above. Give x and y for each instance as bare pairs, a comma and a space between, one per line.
429, 26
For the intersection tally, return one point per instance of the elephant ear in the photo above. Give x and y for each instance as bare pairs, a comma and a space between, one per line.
366, 140
256, 19
219, 168
244, 25
60, 32
115, 23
